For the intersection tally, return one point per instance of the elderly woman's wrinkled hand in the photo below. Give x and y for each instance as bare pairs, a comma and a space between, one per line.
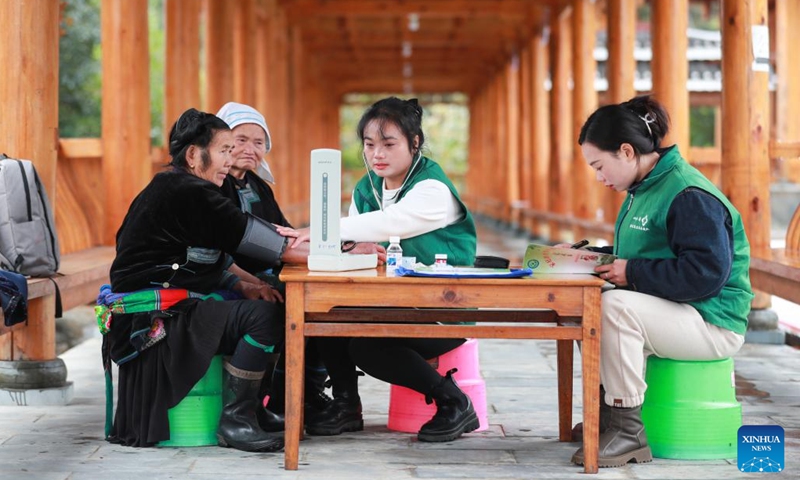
259, 291
300, 235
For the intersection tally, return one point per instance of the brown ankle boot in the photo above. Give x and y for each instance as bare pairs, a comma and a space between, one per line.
624, 440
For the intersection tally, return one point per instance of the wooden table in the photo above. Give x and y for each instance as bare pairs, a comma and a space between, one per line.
366, 303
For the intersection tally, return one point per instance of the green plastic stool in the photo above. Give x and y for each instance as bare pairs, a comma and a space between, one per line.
193, 422
690, 410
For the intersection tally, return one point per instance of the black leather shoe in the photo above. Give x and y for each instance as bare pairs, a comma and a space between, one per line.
342, 414
454, 413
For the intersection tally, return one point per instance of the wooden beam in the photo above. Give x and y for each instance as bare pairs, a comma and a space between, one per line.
620, 71
244, 48
182, 60
29, 88
778, 149
670, 66
126, 118
80, 147
584, 102
512, 107
306, 10
787, 88
746, 120
540, 133
218, 46
560, 201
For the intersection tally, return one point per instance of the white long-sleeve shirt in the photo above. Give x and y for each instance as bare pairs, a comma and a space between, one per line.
428, 206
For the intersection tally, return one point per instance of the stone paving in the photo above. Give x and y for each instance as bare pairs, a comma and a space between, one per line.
66, 443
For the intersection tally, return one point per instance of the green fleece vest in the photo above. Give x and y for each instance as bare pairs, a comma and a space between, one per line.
641, 232
458, 241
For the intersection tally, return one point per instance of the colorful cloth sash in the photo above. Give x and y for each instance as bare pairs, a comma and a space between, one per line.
109, 302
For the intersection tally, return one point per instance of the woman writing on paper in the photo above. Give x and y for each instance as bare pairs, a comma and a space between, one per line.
405, 194
683, 289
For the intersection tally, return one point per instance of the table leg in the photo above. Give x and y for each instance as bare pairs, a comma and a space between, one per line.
295, 369
590, 352
565, 353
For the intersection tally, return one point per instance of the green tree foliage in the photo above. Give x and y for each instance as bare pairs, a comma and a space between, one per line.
80, 69
156, 21
79, 89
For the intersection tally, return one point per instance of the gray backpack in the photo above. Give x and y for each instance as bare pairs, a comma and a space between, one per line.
28, 241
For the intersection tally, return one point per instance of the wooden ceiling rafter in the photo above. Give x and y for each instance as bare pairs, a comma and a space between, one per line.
458, 43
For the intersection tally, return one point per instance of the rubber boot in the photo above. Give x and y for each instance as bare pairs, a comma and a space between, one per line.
624, 441
454, 413
342, 414
238, 425
605, 418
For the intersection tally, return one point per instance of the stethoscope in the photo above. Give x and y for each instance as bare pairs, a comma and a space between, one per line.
372, 185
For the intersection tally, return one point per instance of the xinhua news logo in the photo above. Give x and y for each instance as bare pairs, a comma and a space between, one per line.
760, 449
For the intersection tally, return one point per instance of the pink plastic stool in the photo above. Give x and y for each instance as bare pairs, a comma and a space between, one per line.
407, 408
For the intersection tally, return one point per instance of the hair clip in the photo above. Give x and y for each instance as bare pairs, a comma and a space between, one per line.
648, 119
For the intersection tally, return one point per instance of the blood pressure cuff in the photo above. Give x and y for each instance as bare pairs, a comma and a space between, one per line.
262, 242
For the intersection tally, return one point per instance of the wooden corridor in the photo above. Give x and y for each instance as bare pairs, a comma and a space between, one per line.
527, 66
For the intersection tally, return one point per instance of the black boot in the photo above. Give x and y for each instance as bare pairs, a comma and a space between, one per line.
272, 418
624, 440
268, 419
238, 426
342, 414
315, 397
454, 413
605, 418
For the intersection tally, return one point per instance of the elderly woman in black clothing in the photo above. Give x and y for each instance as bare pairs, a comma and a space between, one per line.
165, 315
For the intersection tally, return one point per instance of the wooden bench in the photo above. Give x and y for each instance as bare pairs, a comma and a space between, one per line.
780, 273
79, 279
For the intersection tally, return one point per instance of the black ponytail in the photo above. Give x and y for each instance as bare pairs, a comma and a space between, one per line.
641, 122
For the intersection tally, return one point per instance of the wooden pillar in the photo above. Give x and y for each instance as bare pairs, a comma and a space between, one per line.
244, 48
745, 118
526, 185
560, 201
540, 133
621, 74
218, 54
126, 108
787, 89
670, 67
263, 56
29, 130
29, 86
584, 102
511, 102
182, 62
296, 114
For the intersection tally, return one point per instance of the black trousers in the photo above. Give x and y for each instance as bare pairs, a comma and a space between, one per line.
399, 361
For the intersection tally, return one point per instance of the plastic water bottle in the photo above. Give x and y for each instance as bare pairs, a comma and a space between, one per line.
394, 255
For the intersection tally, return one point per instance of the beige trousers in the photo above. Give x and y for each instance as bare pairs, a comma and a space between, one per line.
635, 325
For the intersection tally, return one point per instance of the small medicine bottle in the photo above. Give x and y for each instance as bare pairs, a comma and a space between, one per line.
440, 260
394, 255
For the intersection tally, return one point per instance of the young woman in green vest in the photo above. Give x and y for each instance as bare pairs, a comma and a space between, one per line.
682, 288
406, 194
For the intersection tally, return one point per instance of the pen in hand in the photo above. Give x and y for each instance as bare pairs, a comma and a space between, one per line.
580, 244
